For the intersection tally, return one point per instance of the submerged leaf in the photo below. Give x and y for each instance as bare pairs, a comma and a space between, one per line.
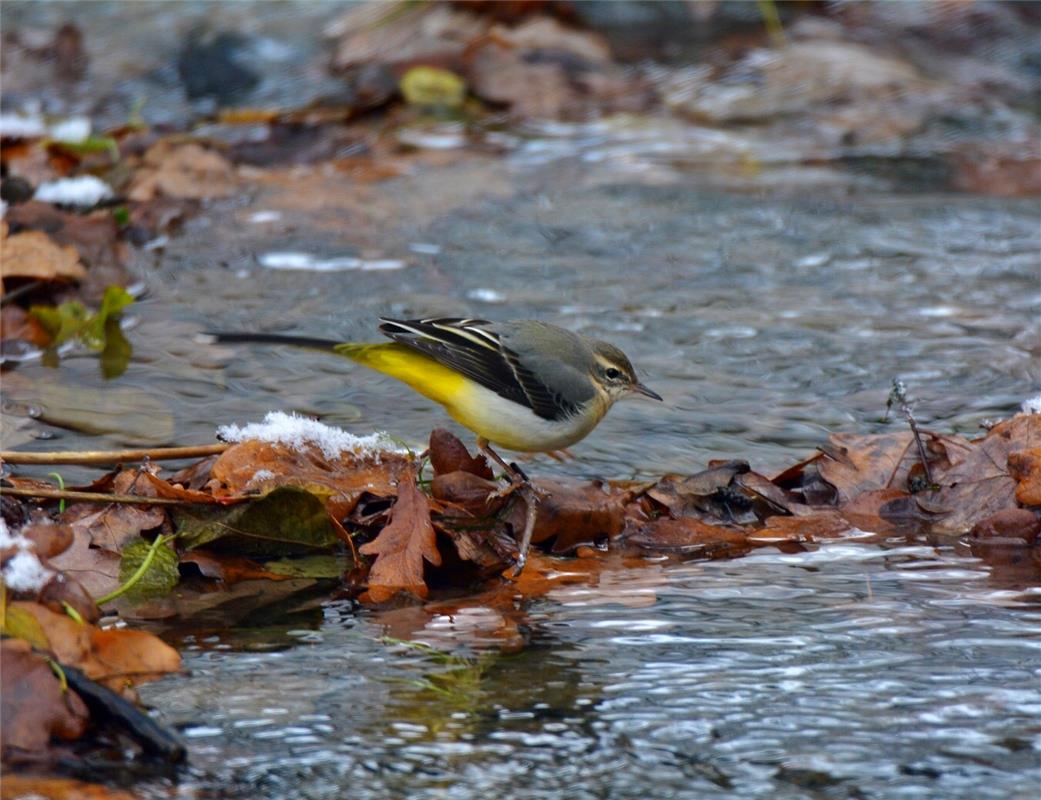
287, 520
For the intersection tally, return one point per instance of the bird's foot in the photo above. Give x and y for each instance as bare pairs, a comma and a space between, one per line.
532, 497
519, 483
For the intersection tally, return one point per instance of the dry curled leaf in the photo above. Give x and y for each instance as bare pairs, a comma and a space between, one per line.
251, 467
35, 256
403, 546
981, 483
34, 706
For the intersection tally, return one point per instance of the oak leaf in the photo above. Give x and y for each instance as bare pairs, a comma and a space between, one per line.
403, 545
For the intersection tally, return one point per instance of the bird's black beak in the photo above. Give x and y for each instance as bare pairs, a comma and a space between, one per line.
639, 388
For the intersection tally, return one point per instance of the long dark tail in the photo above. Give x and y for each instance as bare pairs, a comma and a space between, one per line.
309, 342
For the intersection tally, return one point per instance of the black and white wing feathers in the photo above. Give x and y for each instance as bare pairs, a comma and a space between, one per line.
472, 347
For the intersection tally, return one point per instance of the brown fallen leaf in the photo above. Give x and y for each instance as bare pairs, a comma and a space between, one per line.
16, 324
111, 527
35, 256
116, 658
470, 493
575, 513
884, 511
23, 787
34, 707
824, 524
49, 538
403, 546
981, 484
1025, 467
94, 236
94, 569
448, 454
183, 170
1012, 523
229, 568
253, 467
687, 535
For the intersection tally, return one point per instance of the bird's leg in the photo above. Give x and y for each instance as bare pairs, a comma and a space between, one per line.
518, 483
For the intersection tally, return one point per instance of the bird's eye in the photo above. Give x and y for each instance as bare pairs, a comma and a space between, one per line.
612, 374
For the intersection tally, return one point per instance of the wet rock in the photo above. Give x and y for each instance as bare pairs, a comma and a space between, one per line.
768, 83
212, 66
379, 33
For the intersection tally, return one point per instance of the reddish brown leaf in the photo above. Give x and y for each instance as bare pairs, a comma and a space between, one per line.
687, 535
48, 538
15, 323
825, 524
1025, 467
403, 545
63, 591
854, 464
575, 514
170, 491
1012, 523
34, 707
448, 454
254, 467
50, 788
116, 658
229, 568
466, 491
885, 510
980, 484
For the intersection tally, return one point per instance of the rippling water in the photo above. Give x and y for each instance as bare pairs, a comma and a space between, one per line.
854, 671
769, 306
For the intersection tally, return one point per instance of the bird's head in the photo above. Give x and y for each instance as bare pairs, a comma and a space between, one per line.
614, 375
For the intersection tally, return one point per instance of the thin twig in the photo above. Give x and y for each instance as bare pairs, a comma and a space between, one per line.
898, 396
112, 456
95, 497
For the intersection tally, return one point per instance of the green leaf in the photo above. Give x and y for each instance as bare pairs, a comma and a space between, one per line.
92, 144
117, 351
317, 566
285, 521
430, 87
161, 576
94, 329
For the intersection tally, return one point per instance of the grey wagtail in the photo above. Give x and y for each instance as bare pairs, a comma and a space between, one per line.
524, 385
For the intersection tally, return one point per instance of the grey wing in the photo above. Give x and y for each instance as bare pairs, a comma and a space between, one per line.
472, 347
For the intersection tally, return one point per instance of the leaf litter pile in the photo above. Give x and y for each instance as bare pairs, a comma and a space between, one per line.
292, 502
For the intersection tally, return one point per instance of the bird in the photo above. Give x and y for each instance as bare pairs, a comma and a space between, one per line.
523, 385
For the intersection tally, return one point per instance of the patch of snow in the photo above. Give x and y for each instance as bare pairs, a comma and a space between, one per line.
23, 572
296, 431
73, 130
1032, 405
85, 191
311, 262
17, 126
